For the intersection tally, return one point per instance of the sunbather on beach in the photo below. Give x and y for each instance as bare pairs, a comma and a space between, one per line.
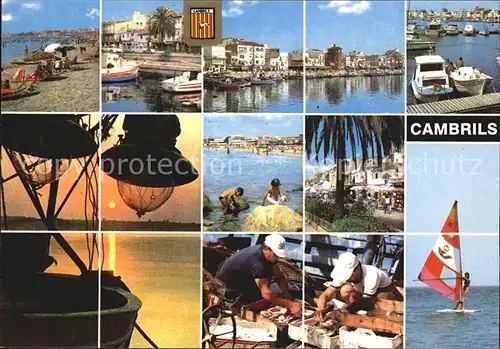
274, 194
226, 198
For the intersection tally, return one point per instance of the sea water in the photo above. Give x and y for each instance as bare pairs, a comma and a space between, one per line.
477, 51
283, 97
254, 173
362, 94
427, 328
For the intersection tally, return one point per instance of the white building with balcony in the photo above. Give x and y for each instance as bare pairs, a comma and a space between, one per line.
247, 54
214, 58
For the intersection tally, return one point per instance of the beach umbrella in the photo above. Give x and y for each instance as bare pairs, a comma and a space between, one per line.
53, 48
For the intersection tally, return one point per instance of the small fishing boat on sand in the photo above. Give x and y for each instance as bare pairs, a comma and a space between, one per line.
469, 81
257, 81
118, 69
430, 81
469, 30
182, 83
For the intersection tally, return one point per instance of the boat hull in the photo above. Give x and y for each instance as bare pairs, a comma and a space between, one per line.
56, 310
470, 87
182, 88
426, 95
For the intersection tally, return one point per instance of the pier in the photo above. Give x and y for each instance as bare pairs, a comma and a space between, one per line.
176, 63
463, 105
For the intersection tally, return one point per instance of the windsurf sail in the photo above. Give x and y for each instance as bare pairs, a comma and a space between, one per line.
446, 255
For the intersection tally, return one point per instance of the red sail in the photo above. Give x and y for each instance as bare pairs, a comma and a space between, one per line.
445, 256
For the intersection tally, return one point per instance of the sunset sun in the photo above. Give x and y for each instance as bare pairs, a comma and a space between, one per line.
112, 204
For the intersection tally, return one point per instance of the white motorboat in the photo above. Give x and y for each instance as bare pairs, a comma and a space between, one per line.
470, 81
430, 81
452, 29
182, 83
469, 30
434, 28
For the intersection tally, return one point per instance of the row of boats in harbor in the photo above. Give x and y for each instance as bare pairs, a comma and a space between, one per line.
119, 70
431, 81
435, 28
236, 84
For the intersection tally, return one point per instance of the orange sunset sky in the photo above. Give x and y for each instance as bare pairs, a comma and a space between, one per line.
184, 204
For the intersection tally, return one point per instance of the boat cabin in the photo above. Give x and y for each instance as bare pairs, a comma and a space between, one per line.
430, 71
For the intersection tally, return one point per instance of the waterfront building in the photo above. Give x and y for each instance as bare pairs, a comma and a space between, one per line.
272, 58
392, 59
283, 61
214, 58
314, 58
333, 57
296, 60
247, 54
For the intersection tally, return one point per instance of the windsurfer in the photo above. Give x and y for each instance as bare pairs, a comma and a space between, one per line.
368, 280
465, 291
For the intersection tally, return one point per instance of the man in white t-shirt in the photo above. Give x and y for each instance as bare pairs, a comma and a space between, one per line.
369, 281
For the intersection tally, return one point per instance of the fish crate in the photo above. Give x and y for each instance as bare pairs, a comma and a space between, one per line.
309, 335
363, 338
248, 334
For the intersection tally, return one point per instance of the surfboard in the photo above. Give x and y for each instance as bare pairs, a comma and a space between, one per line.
458, 311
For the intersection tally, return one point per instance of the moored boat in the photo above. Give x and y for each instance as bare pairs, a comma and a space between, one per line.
469, 81
118, 69
258, 81
484, 32
469, 30
430, 81
12, 94
452, 29
182, 83
434, 28
415, 44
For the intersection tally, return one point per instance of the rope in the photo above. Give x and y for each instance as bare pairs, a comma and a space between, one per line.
144, 335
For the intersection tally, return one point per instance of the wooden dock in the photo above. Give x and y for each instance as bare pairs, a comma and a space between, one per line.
463, 105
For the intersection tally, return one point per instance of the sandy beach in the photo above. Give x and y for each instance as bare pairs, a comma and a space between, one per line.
79, 92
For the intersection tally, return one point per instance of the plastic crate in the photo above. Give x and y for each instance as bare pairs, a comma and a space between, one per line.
363, 338
267, 339
309, 335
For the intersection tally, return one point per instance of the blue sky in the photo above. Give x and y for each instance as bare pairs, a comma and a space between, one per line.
119, 10
275, 23
451, 5
479, 253
366, 26
313, 166
22, 16
220, 126
439, 174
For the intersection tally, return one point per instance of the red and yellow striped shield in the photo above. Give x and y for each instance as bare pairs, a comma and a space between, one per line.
202, 23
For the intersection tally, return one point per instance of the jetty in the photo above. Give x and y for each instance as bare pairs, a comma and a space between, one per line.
176, 63
473, 104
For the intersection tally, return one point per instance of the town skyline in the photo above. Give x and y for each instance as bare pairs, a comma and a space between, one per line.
220, 126
450, 5
35, 16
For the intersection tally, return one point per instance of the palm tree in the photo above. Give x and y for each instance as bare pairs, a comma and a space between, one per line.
162, 23
377, 136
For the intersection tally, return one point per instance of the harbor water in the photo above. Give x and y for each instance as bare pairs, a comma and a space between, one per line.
283, 97
147, 95
478, 51
426, 328
381, 94
253, 172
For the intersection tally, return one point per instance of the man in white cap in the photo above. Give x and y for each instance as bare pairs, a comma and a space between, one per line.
249, 271
368, 280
